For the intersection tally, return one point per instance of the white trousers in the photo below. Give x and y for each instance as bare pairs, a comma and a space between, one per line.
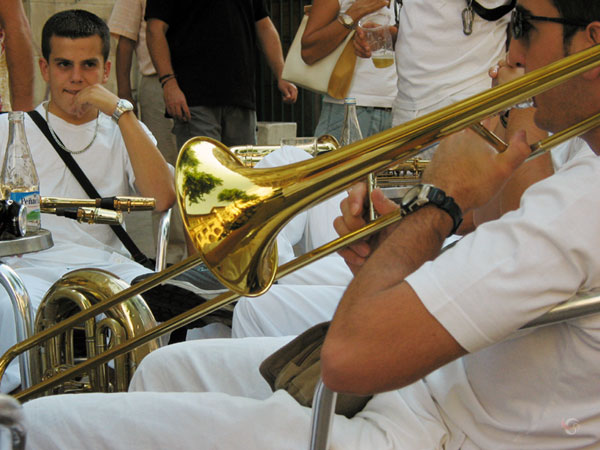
240, 412
38, 279
300, 300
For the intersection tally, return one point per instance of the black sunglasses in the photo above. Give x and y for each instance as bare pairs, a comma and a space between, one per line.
520, 22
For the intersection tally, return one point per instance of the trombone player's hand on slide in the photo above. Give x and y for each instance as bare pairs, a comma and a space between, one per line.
353, 211
464, 166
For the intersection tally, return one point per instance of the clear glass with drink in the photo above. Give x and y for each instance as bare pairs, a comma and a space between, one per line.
376, 28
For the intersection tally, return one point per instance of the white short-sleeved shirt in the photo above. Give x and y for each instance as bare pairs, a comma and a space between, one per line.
107, 165
436, 60
524, 390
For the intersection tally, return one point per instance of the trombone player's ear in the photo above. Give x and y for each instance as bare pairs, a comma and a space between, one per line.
591, 38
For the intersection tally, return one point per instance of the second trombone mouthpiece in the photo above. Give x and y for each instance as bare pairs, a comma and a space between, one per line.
89, 215
100, 216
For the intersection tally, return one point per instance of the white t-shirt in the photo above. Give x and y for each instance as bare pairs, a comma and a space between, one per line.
524, 390
107, 165
436, 61
370, 86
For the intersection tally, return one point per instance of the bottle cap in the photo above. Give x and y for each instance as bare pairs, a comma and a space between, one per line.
350, 101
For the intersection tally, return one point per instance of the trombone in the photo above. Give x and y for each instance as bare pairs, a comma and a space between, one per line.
234, 229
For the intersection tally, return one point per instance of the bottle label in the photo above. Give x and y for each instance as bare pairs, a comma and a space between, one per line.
32, 201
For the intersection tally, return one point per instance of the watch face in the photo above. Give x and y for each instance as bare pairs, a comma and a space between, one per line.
124, 105
411, 195
347, 20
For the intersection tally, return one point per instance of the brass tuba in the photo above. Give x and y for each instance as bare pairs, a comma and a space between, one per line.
233, 213
77, 291
73, 293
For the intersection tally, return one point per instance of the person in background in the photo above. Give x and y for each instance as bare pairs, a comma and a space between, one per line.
127, 24
374, 89
16, 54
204, 54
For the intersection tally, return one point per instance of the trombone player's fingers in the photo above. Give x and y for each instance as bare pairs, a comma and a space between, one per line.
352, 218
352, 209
504, 72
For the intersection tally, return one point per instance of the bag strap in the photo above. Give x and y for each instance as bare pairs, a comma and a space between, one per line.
87, 186
398, 4
492, 14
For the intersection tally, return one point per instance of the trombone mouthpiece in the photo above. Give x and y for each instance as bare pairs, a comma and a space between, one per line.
127, 203
86, 214
99, 216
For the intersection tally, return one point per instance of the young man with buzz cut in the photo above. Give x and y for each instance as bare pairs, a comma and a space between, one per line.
434, 336
114, 150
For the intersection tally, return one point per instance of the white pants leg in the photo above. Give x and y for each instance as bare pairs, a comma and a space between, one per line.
285, 310
300, 300
328, 271
227, 420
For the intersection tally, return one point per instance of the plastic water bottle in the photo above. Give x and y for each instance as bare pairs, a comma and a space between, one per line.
19, 180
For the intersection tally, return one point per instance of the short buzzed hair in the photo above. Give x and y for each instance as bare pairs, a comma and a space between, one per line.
586, 11
75, 23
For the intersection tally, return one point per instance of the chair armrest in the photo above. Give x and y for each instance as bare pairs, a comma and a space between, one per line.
162, 240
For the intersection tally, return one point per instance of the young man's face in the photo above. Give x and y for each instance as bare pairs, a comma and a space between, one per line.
542, 45
73, 65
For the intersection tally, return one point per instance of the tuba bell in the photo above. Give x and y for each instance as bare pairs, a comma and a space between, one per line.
79, 290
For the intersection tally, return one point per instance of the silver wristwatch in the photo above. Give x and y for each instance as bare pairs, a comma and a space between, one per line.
346, 20
122, 107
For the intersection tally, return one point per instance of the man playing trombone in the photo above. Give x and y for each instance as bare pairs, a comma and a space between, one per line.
434, 336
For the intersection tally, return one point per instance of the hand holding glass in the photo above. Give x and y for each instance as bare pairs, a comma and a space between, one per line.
377, 34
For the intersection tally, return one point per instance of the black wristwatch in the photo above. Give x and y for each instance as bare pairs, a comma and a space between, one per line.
424, 194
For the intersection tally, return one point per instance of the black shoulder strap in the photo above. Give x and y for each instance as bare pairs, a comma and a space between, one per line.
493, 14
87, 186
